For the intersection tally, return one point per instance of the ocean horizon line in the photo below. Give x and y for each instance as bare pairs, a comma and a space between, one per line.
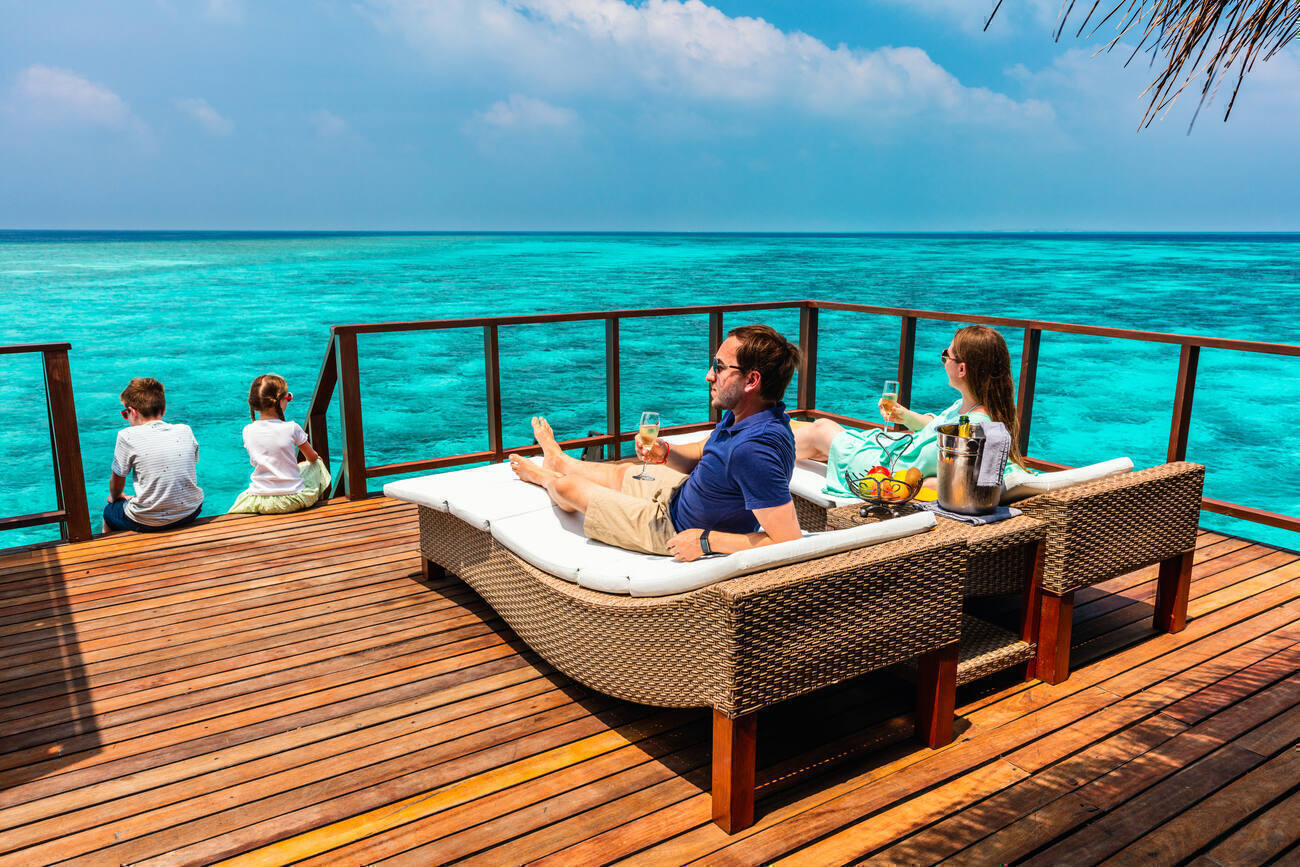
30, 234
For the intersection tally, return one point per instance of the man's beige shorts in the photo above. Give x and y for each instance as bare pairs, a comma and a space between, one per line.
635, 517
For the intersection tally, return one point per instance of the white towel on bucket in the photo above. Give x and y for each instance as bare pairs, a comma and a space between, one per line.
993, 460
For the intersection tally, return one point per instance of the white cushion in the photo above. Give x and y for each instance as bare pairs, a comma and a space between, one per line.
477, 496
1018, 484
492, 499
808, 480
669, 576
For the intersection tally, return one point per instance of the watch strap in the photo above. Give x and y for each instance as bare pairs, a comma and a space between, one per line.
704, 543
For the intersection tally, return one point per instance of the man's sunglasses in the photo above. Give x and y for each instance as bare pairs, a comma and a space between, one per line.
719, 365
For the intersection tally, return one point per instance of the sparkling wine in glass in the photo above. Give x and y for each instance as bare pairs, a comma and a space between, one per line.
889, 400
646, 435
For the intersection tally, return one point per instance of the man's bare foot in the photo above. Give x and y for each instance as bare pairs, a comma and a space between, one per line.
552, 455
530, 472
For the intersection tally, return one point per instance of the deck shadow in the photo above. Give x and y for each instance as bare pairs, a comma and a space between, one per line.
43, 684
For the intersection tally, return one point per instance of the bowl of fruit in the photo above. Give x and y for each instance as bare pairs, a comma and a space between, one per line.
884, 490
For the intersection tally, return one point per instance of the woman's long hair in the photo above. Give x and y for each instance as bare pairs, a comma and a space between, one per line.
265, 393
988, 374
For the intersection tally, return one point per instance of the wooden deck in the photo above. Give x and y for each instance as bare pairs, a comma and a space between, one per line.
285, 689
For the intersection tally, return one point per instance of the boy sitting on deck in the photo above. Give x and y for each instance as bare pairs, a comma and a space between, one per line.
163, 458
727, 494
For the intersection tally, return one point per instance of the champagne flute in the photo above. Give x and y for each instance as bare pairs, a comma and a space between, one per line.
889, 400
646, 435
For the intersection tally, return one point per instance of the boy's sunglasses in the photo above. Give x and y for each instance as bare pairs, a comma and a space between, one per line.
719, 365
126, 413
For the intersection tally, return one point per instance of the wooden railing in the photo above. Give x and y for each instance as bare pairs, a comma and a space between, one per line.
339, 371
69, 481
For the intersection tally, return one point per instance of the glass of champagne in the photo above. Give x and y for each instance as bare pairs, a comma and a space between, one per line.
646, 435
889, 401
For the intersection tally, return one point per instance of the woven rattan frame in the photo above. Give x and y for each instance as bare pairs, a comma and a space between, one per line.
996, 555
1098, 530
736, 646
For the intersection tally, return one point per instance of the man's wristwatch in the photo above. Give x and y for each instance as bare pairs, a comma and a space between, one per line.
704, 543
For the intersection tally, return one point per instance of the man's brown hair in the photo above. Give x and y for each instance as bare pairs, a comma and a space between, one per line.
763, 349
145, 395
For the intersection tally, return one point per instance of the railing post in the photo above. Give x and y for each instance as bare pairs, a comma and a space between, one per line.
317, 409
492, 375
69, 478
354, 447
613, 395
1186, 389
906, 357
715, 340
1028, 378
807, 398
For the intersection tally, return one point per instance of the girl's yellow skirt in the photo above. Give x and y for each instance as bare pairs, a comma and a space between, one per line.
316, 485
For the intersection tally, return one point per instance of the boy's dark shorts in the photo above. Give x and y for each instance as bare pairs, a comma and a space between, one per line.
115, 519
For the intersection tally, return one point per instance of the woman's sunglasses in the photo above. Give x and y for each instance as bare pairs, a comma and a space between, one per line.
944, 356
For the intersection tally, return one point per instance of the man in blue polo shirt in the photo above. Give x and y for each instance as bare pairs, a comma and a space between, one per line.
722, 495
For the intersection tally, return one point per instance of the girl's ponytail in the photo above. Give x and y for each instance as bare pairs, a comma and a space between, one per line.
266, 392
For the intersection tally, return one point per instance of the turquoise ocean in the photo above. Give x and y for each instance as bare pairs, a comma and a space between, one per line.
207, 312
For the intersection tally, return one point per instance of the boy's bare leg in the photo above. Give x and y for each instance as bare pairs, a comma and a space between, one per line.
555, 460
813, 441
571, 493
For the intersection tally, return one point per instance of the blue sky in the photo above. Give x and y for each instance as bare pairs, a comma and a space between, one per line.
733, 115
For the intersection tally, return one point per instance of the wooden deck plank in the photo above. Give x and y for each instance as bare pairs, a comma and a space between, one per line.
270, 688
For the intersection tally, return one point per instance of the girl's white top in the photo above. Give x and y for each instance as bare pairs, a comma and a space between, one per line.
273, 448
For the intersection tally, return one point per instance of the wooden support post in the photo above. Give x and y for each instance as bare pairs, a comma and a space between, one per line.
807, 396
492, 382
69, 478
1031, 602
734, 753
1055, 621
613, 389
715, 340
431, 571
906, 359
1172, 589
936, 695
354, 446
1186, 389
1028, 377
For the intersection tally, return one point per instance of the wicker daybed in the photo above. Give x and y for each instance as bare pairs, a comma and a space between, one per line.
1092, 531
735, 646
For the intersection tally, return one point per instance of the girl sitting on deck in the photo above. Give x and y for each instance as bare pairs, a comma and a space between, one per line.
279, 484
978, 366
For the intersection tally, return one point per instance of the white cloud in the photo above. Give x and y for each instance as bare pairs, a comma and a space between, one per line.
54, 96
328, 124
521, 112
207, 116
1097, 88
687, 52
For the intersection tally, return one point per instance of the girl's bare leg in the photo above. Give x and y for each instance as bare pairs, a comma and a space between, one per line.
813, 441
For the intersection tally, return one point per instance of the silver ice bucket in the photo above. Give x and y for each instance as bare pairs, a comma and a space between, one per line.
959, 472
